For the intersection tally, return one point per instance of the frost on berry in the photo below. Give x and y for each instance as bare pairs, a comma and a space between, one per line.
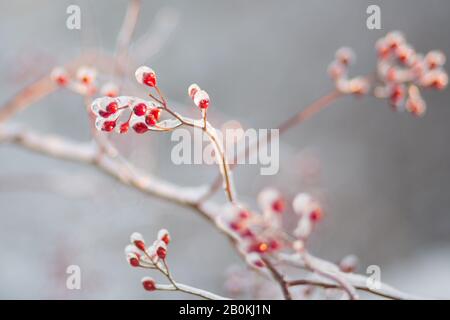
349, 263
415, 104
60, 76
309, 212
399, 67
199, 96
303, 229
110, 89
192, 90
86, 75
145, 75
403, 71
345, 56
164, 236
137, 239
254, 260
435, 59
270, 199
338, 71
133, 259
301, 203
201, 99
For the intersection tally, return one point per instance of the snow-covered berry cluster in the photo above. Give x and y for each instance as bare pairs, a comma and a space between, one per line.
264, 233
403, 71
400, 72
142, 115
84, 82
338, 71
153, 257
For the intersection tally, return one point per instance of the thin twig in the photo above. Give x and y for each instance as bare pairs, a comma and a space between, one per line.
125, 35
279, 278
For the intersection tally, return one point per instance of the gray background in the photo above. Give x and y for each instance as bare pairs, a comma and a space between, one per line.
384, 177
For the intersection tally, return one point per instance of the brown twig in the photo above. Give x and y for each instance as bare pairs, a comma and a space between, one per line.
326, 285
279, 278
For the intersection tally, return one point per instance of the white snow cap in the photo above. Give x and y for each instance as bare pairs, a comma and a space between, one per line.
200, 96
136, 236
162, 233
304, 228
302, 203
193, 89
267, 197
131, 249
109, 89
254, 259
139, 74
86, 74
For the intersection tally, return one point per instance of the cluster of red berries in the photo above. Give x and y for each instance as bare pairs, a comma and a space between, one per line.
402, 71
338, 71
263, 233
138, 255
142, 114
84, 82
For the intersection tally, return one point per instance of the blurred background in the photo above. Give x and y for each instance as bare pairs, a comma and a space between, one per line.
384, 177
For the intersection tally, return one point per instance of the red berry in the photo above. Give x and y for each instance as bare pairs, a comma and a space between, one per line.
246, 233
155, 112
140, 109
316, 215
112, 107
236, 226
274, 245
244, 214
104, 114
109, 126
149, 79
150, 120
259, 263
161, 252
203, 104
62, 80
134, 262
391, 74
166, 238
124, 127
140, 245
278, 205
260, 247
140, 127
149, 284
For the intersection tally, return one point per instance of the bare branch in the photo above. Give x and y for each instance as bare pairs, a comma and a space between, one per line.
126, 33
355, 280
190, 290
62, 148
